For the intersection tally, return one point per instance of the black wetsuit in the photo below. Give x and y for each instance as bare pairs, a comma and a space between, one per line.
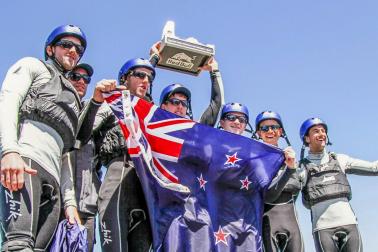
280, 223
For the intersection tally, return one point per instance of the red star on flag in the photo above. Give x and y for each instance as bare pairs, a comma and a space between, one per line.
245, 183
202, 182
221, 236
232, 159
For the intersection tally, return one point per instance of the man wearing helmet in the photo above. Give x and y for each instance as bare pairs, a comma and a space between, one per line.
82, 162
280, 225
175, 98
38, 122
327, 191
234, 118
122, 208
31, 160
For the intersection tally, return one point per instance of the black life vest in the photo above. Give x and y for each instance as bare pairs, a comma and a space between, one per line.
324, 182
56, 104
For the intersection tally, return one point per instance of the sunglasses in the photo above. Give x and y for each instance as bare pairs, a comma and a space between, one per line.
232, 118
77, 77
142, 75
266, 128
176, 102
66, 44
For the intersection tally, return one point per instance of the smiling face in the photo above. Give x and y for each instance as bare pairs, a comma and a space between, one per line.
138, 86
236, 126
66, 57
316, 138
80, 85
270, 131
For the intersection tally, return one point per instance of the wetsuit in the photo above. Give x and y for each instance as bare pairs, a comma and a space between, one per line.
29, 216
123, 211
280, 223
334, 223
85, 168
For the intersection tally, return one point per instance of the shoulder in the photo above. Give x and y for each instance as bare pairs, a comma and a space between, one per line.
30, 62
29, 65
340, 157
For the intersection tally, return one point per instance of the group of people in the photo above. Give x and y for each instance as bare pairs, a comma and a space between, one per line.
53, 145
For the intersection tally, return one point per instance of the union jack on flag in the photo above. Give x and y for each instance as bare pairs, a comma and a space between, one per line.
204, 187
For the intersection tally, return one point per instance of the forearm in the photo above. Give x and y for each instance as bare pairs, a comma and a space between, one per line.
66, 181
209, 116
278, 184
87, 120
154, 59
358, 166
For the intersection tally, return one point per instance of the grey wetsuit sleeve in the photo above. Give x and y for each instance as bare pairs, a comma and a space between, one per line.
18, 80
357, 166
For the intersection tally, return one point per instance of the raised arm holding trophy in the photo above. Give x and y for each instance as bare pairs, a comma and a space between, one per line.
182, 55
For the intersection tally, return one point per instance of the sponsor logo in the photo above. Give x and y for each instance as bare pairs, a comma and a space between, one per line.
329, 179
106, 233
181, 60
14, 205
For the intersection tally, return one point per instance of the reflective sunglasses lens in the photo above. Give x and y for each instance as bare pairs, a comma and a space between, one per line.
66, 44
176, 102
142, 75
233, 118
266, 128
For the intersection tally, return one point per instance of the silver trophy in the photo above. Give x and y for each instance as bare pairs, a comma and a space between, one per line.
182, 55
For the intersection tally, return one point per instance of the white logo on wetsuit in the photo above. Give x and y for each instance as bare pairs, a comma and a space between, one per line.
106, 233
14, 206
329, 179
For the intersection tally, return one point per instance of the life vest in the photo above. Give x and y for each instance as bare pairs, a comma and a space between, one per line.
56, 104
325, 181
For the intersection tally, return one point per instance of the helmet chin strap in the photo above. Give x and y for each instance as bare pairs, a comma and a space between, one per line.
328, 142
57, 63
189, 112
286, 138
252, 131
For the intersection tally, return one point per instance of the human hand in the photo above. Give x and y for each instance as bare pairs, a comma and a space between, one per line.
105, 86
12, 171
72, 215
211, 65
290, 157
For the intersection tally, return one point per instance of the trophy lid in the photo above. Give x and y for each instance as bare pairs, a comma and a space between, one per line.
169, 29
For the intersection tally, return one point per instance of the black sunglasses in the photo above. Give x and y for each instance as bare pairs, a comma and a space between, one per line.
67, 44
142, 75
76, 77
232, 118
176, 102
266, 128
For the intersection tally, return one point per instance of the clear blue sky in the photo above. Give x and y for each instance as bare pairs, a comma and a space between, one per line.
299, 58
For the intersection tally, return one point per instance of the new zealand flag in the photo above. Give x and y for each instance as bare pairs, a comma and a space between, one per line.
204, 187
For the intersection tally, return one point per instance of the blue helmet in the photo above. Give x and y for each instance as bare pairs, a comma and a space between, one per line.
173, 89
235, 107
266, 115
134, 63
86, 67
65, 30
306, 125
